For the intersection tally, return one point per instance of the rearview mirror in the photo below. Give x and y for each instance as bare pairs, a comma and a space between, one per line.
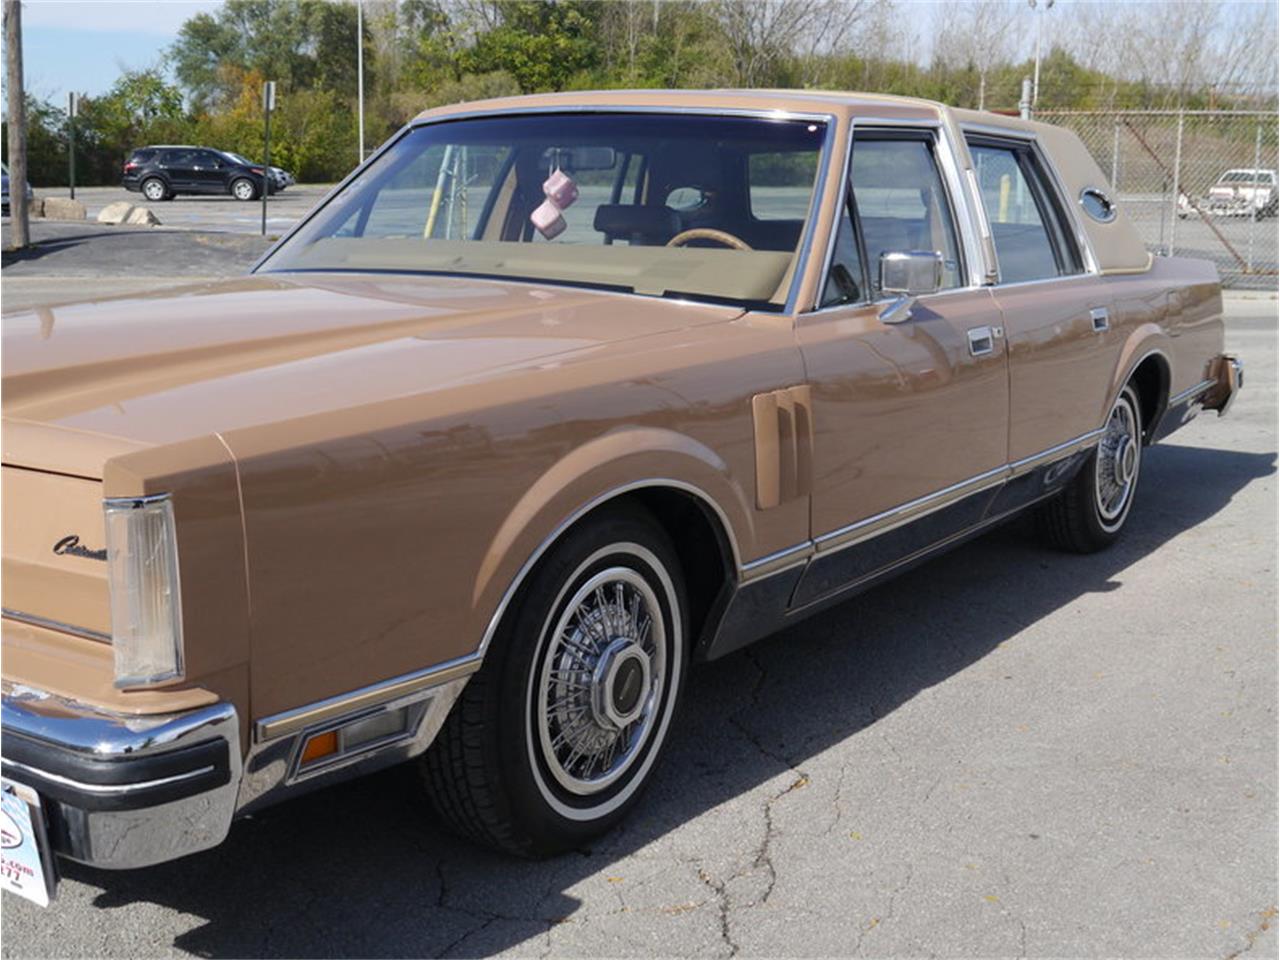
911, 273
577, 159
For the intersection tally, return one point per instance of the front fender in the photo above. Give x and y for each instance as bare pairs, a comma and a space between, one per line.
609, 466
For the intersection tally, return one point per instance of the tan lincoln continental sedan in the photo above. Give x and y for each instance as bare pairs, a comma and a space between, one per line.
551, 399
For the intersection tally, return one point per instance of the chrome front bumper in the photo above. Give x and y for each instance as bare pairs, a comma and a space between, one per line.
123, 791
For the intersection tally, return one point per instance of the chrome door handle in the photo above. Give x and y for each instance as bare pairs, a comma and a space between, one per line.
1101, 318
982, 341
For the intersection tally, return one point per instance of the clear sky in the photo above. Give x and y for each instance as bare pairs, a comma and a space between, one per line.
82, 45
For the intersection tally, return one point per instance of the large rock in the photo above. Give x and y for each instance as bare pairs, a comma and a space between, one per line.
63, 208
141, 216
117, 212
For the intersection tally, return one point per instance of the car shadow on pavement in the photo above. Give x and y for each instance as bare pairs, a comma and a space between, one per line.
364, 869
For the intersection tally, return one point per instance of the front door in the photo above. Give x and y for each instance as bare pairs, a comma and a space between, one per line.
910, 417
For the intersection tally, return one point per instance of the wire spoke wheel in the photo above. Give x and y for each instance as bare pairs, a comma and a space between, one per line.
1117, 463
601, 679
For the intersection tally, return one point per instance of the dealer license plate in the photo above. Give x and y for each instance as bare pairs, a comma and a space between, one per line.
26, 863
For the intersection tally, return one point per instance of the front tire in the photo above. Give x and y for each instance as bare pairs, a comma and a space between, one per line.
554, 739
1090, 513
244, 189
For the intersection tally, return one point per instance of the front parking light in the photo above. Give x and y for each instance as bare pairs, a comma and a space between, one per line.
146, 603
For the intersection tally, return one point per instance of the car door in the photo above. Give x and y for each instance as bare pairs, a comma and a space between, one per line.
1056, 316
208, 172
179, 165
910, 411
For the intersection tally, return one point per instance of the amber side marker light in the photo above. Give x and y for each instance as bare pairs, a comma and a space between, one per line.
320, 745
361, 735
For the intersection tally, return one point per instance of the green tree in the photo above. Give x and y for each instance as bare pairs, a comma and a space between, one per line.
542, 45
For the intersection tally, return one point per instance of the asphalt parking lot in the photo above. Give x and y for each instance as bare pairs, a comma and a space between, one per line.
1007, 751
284, 209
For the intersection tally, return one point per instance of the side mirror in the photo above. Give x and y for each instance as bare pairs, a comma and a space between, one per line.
911, 274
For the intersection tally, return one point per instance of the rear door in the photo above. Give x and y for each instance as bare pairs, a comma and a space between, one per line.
1057, 316
180, 165
910, 417
209, 171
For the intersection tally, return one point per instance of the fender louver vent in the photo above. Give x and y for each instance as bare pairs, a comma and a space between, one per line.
784, 445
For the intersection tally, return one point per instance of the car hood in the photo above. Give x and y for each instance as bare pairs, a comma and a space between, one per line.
86, 381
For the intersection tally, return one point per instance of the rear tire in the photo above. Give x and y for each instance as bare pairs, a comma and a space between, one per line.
1090, 513
155, 190
554, 739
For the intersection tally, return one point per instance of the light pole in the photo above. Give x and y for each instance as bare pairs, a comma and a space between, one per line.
360, 73
1035, 83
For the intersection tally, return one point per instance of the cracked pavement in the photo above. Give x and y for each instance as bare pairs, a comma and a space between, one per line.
1006, 752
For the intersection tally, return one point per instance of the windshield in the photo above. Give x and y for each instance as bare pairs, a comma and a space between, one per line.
235, 158
665, 205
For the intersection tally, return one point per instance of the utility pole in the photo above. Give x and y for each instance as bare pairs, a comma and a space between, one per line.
360, 72
19, 225
268, 104
1024, 104
73, 108
1035, 84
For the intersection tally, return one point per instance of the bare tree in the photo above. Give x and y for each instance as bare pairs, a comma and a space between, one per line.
1181, 49
762, 33
834, 23
977, 34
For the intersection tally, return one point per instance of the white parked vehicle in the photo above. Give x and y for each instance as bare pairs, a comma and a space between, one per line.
1243, 192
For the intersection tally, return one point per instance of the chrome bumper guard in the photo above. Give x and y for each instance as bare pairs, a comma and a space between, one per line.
1228, 374
123, 791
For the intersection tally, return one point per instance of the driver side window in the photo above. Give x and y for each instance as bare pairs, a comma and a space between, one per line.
901, 202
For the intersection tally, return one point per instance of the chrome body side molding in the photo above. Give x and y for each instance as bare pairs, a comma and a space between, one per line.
57, 625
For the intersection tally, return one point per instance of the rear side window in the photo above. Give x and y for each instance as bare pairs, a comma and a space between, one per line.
1027, 222
142, 156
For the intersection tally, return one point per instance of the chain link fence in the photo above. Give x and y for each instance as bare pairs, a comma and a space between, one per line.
1195, 183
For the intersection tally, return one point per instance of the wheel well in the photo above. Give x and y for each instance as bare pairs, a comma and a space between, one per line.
700, 540
1151, 381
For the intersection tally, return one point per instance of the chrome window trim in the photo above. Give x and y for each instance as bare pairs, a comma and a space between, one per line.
969, 245
1088, 258
57, 625
803, 249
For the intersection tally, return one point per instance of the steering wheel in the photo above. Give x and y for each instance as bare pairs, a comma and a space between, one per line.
706, 233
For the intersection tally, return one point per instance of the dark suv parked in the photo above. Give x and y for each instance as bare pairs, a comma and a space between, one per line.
162, 172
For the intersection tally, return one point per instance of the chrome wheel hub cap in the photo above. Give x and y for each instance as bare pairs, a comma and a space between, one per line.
600, 681
1117, 463
619, 684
